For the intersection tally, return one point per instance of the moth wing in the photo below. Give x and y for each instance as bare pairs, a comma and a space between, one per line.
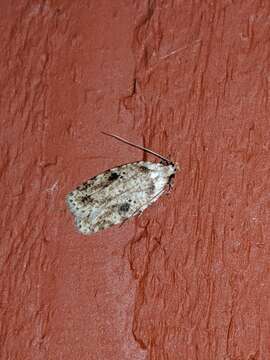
119, 209
116, 195
97, 189
82, 199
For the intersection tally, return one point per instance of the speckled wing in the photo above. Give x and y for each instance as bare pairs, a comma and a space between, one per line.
118, 194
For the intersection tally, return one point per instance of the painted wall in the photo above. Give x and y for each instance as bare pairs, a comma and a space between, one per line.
189, 279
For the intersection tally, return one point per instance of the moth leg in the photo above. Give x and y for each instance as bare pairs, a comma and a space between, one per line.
169, 188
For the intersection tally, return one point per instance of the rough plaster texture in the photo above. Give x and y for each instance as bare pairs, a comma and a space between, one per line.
190, 278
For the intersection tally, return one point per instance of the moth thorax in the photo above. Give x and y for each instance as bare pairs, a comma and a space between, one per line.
171, 169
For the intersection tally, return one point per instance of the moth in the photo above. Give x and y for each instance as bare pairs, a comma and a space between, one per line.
120, 193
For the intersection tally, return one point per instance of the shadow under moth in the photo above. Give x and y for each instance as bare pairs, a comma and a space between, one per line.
120, 193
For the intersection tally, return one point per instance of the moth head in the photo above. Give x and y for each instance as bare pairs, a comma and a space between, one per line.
172, 171
172, 166
176, 167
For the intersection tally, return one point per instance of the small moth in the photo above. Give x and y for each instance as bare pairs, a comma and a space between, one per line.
120, 193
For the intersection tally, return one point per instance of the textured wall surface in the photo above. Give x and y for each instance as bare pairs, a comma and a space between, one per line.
187, 280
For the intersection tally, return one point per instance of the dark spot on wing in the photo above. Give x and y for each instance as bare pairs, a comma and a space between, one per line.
123, 208
83, 186
144, 169
151, 188
113, 176
86, 200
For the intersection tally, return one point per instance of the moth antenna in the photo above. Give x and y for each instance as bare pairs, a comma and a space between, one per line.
138, 147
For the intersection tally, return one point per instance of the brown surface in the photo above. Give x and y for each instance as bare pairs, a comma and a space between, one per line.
190, 278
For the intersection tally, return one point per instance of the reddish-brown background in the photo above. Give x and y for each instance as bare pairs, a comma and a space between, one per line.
190, 278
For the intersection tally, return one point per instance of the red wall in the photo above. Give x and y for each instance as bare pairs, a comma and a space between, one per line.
189, 279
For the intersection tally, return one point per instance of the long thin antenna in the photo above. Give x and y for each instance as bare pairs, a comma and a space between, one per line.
137, 146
